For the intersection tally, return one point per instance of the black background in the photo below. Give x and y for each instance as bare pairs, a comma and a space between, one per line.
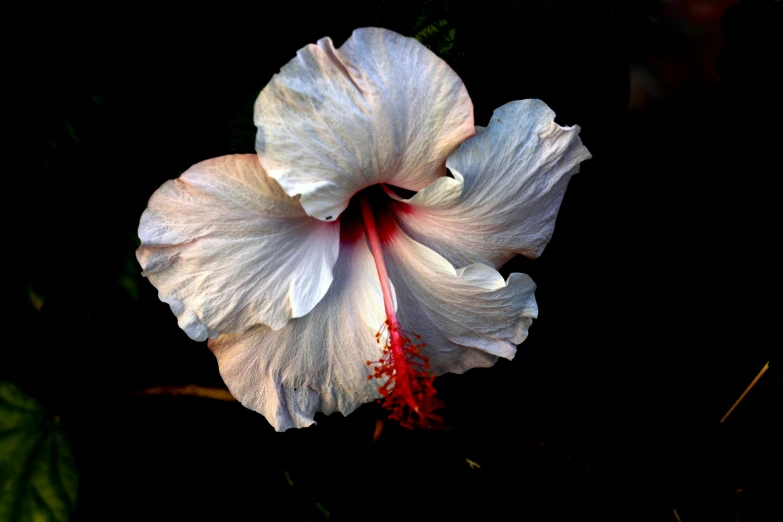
656, 294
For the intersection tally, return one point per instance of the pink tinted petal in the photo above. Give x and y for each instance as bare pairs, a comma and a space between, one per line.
316, 363
509, 181
227, 249
469, 316
380, 109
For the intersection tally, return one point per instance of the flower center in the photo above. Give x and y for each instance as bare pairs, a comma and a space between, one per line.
407, 389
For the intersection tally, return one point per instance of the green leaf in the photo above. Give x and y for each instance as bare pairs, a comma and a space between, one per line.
431, 30
38, 480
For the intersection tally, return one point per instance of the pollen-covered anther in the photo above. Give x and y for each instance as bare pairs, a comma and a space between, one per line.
407, 389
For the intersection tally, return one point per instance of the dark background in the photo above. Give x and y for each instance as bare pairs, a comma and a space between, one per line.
656, 295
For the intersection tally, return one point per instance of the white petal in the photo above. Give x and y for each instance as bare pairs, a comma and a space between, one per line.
509, 181
380, 109
227, 249
315, 363
468, 317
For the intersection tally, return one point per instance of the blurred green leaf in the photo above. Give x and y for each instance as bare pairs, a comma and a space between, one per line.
431, 30
438, 37
323, 510
38, 480
36, 299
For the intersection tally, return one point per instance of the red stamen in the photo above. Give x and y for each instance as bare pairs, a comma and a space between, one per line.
407, 389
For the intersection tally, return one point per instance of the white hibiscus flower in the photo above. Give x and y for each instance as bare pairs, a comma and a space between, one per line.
302, 264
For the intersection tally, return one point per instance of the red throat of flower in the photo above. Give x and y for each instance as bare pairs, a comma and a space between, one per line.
407, 388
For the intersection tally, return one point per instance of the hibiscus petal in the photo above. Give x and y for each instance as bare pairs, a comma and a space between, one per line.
509, 181
380, 109
227, 249
317, 362
468, 317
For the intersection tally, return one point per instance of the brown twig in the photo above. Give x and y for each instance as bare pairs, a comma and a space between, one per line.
190, 390
764, 369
